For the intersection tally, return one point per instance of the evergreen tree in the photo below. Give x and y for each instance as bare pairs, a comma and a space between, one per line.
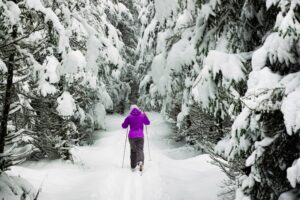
218, 89
60, 59
265, 132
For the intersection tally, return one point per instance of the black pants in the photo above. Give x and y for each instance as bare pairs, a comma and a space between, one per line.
136, 151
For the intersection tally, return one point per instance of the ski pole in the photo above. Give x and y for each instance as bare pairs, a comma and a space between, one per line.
125, 148
40, 189
148, 143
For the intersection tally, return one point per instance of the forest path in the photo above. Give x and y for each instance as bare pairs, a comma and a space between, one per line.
175, 172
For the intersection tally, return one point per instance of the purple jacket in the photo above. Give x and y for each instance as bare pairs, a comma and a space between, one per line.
136, 120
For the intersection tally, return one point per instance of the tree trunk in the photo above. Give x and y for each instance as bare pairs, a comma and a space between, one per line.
8, 95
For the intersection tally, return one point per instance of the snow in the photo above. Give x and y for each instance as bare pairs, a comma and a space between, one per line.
112, 54
46, 88
105, 98
157, 69
145, 81
263, 79
3, 67
87, 65
229, 65
191, 5
261, 86
113, 36
123, 8
51, 16
290, 104
182, 53
227, 146
259, 150
184, 20
13, 12
205, 88
287, 20
49, 70
162, 38
74, 63
247, 181
240, 195
293, 173
276, 48
174, 173
93, 45
180, 117
80, 114
279, 48
208, 9
98, 113
24, 102
259, 59
13, 187
116, 74
147, 41
164, 9
66, 104
291, 110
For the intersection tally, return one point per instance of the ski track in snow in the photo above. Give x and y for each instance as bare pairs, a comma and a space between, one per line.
97, 173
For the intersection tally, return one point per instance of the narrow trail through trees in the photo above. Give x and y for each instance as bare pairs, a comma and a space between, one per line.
175, 172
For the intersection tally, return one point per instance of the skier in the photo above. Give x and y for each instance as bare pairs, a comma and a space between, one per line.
136, 120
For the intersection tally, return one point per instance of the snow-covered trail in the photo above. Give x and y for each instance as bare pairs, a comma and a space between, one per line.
100, 176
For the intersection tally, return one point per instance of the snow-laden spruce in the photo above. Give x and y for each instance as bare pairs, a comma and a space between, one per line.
228, 70
65, 63
269, 124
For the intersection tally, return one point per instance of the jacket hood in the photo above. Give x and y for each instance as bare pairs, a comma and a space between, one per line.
135, 112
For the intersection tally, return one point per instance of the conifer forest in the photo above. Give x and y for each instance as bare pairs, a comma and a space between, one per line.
219, 81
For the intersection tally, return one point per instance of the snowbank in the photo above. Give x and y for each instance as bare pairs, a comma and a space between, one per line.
15, 188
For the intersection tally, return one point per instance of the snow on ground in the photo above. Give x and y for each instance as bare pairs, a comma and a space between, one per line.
174, 173
13, 187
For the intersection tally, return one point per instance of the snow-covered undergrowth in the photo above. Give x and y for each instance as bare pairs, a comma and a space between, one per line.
13, 187
174, 172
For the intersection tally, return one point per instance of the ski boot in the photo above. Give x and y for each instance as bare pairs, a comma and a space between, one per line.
141, 166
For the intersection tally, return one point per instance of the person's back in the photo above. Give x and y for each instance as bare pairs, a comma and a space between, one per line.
136, 120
